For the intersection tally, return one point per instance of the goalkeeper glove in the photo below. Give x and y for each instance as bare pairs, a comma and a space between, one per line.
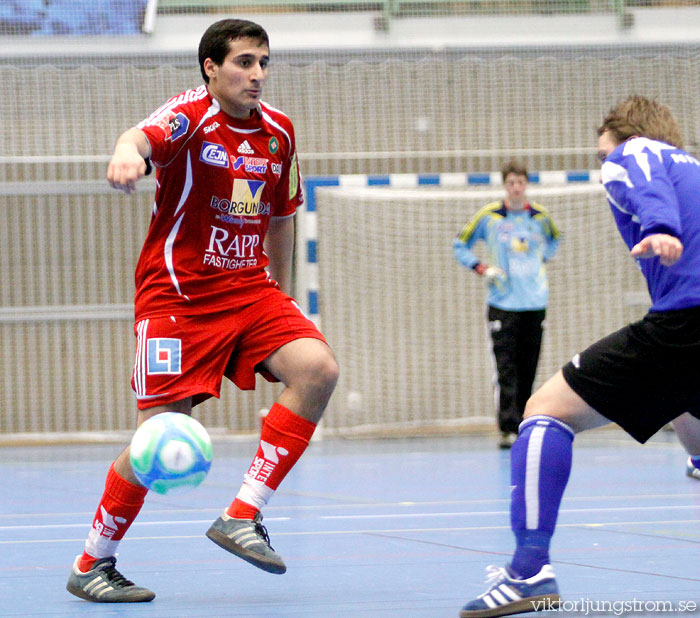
492, 274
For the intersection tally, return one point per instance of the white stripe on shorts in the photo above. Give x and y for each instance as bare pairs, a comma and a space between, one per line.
140, 360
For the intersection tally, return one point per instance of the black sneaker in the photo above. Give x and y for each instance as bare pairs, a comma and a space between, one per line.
247, 539
104, 584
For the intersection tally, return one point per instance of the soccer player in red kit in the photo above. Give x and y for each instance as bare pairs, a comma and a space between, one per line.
211, 292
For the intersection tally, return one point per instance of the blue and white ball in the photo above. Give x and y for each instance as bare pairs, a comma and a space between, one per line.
170, 452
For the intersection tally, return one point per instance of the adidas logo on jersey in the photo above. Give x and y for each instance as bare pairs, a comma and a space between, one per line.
245, 148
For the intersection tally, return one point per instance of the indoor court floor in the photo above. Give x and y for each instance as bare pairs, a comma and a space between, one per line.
372, 528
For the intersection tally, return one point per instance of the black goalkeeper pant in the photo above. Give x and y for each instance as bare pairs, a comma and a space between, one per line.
516, 338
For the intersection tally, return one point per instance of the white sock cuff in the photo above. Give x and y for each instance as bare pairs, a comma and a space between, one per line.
543, 419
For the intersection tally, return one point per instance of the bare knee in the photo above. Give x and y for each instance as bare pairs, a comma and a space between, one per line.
321, 373
555, 398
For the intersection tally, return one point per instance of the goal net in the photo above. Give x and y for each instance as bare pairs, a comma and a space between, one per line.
380, 87
408, 322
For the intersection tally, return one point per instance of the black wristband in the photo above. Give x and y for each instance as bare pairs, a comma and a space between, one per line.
149, 167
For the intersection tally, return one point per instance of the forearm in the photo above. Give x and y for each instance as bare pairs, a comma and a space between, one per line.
279, 247
134, 138
463, 254
281, 271
128, 162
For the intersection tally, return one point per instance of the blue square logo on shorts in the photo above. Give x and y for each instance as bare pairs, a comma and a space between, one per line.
164, 356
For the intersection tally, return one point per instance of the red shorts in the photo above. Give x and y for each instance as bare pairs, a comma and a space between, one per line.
183, 356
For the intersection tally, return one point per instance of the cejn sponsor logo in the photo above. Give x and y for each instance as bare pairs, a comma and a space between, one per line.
231, 253
251, 164
213, 154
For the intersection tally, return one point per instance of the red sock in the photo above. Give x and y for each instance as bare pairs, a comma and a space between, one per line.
283, 439
120, 504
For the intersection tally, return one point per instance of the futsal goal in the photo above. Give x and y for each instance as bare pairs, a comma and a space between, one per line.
408, 322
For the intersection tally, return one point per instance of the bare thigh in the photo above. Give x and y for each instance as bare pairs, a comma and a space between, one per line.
557, 399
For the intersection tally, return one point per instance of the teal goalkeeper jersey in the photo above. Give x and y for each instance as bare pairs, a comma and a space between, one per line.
518, 242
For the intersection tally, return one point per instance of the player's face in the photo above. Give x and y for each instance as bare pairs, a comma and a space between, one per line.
237, 83
606, 144
515, 185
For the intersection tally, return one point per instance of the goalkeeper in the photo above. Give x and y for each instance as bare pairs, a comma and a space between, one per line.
520, 237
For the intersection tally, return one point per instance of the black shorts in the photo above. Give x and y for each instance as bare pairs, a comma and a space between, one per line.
645, 374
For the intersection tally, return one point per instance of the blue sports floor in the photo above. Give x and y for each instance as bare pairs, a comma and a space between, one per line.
371, 528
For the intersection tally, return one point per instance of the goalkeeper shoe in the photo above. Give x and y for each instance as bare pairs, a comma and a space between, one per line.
104, 584
247, 539
506, 595
692, 471
507, 439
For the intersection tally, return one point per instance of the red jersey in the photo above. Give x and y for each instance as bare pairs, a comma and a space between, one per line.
219, 180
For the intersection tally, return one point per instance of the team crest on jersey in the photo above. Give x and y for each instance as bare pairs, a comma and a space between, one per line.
213, 154
177, 126
273, 145
163, 356
252, 164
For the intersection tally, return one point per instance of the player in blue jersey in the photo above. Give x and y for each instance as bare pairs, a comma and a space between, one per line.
640, 377
520, 237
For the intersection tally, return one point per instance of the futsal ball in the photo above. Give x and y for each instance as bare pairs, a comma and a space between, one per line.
170, 452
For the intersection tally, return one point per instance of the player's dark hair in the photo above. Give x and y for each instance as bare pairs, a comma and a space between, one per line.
642, 117
513, 167
216, 41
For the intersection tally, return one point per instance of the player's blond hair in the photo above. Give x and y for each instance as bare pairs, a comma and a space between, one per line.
642, 117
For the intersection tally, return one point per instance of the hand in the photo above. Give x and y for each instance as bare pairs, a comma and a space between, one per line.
667, 247
125, 168
494, 274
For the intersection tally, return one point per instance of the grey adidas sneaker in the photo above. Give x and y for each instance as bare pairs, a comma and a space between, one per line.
247, 539
104, 584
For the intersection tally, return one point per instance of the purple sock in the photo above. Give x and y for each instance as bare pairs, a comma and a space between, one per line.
540, 462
